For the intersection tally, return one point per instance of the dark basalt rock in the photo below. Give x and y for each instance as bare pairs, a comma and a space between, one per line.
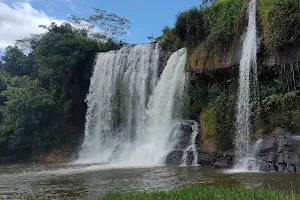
281, 151
217, 160
186, 131
174, 157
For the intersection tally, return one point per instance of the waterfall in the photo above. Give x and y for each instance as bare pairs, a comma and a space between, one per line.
131, 117
248, 60
191, 148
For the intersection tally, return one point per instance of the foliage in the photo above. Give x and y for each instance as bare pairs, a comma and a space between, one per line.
207, 193
169, 39
218, 19
189, 26
222, 18
208, 129
16, 63
279, 104
110, 25
28, 106
42, 93
214, 101
281, 22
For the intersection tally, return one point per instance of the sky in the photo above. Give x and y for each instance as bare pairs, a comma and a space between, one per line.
20, 18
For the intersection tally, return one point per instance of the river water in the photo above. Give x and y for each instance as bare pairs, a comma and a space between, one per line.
65, 181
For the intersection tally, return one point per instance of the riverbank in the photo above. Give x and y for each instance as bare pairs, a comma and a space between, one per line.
209, 193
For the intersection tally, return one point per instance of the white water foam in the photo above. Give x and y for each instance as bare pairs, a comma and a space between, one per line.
248, 60
191, 147
132, 117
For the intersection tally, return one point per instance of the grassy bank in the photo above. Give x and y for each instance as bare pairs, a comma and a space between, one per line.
191, 193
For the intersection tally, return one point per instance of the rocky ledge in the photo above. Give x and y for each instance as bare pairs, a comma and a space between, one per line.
280, 152
217, 160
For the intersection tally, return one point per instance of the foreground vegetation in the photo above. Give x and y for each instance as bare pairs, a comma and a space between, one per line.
211, 193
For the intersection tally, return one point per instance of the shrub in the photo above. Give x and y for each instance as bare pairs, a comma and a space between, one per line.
281, 22
222, 18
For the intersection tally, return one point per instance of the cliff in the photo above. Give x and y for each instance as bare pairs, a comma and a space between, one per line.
214, 43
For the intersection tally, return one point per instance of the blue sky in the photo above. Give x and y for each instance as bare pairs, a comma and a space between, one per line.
147, 17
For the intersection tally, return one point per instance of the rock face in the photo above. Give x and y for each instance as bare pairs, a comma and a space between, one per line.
217, 160
184, 151
280, 152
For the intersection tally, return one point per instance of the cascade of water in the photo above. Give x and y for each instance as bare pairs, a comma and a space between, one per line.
131, 115
117, 99
248, 60
191, 148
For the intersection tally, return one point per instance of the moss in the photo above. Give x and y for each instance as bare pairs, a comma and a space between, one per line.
214, 101
208, 129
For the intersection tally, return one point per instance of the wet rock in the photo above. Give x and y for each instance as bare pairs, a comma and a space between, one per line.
269, 145
282, 158
220, 164
293, 159
273, 167
186, 131
190, 158
291, 168
281, 150
174, 157
282, 167
265, 167
217, 160
205, 159
281, 144
297, 169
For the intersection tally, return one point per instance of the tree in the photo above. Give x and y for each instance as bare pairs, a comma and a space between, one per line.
16, 63
208, 2
109, 25
27, 110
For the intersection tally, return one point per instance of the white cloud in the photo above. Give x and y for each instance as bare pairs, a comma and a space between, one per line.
20, 20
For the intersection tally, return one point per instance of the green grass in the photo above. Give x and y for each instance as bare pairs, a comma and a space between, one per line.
210, 193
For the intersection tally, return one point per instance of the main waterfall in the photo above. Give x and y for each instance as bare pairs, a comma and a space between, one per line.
132, 115
248, 60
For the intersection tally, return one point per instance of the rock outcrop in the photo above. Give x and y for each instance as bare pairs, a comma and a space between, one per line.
280, 152
216, 160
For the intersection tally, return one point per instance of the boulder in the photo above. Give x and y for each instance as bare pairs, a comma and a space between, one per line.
174, 157
290, 168
282, 158
264, 166
185, 134
282, 167
220, 164
268, 145
281, 151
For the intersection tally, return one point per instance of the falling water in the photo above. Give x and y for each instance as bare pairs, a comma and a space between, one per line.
191, 147
131, 115
248, 60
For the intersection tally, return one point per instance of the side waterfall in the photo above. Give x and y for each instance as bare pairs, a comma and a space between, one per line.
248, 60
131, 117
191, 148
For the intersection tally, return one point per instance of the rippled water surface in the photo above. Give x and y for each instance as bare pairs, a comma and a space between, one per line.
64, 181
